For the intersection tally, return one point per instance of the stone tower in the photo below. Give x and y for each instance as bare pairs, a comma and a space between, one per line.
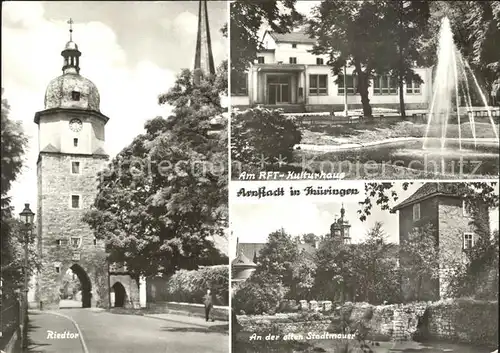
340, 228
204, 60
71, 153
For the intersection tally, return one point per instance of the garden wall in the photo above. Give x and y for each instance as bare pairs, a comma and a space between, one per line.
459, 320
470, 321
282, 324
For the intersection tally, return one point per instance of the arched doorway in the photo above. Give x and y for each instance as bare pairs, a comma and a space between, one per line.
76, 290
120, 295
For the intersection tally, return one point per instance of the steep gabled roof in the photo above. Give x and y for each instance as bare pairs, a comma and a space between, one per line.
242, 260
430, 190
250, 250
293, 37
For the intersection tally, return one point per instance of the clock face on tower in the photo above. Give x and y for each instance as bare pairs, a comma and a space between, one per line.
75, 125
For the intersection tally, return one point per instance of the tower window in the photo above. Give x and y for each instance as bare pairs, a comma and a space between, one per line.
75, 95
76, 242
465, 209
75, 201
416, 212
468, 241
75, 142
58, 269
95, 241
75, 167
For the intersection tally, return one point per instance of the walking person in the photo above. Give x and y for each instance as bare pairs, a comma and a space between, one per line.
208, 302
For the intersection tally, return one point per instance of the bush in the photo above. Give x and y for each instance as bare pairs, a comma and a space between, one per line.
260, 294
191, 286
262, 132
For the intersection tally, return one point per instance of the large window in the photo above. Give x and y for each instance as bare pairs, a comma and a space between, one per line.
413, 87
293, 60
318, 84
385, 85
319, 61
351, 83
260, 60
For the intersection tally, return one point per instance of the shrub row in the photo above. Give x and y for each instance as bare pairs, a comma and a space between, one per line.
191, 286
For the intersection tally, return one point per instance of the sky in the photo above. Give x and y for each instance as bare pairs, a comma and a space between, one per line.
252, 223
132, 51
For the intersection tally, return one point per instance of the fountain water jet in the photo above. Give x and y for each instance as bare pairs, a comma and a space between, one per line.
450, 74
483, 98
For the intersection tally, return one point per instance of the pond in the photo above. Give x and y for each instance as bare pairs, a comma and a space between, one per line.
406, 158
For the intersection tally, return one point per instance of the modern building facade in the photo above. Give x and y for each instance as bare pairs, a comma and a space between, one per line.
454, 228
287, 75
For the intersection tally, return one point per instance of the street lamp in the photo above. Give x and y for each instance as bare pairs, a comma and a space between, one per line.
27, 217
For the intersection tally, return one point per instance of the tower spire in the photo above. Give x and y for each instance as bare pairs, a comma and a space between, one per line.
71, 54
204, 60
70, 22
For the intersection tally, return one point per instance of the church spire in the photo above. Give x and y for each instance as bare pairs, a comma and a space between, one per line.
204, 60
71, 54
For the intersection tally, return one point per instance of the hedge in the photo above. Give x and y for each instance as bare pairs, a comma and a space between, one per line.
191, 286
262, 132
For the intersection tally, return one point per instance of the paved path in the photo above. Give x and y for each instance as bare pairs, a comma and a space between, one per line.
104, 332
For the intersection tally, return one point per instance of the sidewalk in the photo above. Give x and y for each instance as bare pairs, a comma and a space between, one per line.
221, 326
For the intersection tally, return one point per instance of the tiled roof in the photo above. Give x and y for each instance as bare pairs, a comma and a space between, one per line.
428, 190
49, 148
293, 37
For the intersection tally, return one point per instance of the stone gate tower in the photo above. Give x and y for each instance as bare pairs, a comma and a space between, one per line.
71, 153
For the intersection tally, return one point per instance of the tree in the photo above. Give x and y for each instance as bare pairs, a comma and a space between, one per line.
352, 33
303, 275
476, 29
163, 199
334, 270
13, 147
375, 268
246, 19
420, 264
383, 194
277, 257
411, 18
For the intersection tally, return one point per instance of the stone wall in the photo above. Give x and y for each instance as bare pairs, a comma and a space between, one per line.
58, 221
131, 289
282, 324
462, 320
427, 289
